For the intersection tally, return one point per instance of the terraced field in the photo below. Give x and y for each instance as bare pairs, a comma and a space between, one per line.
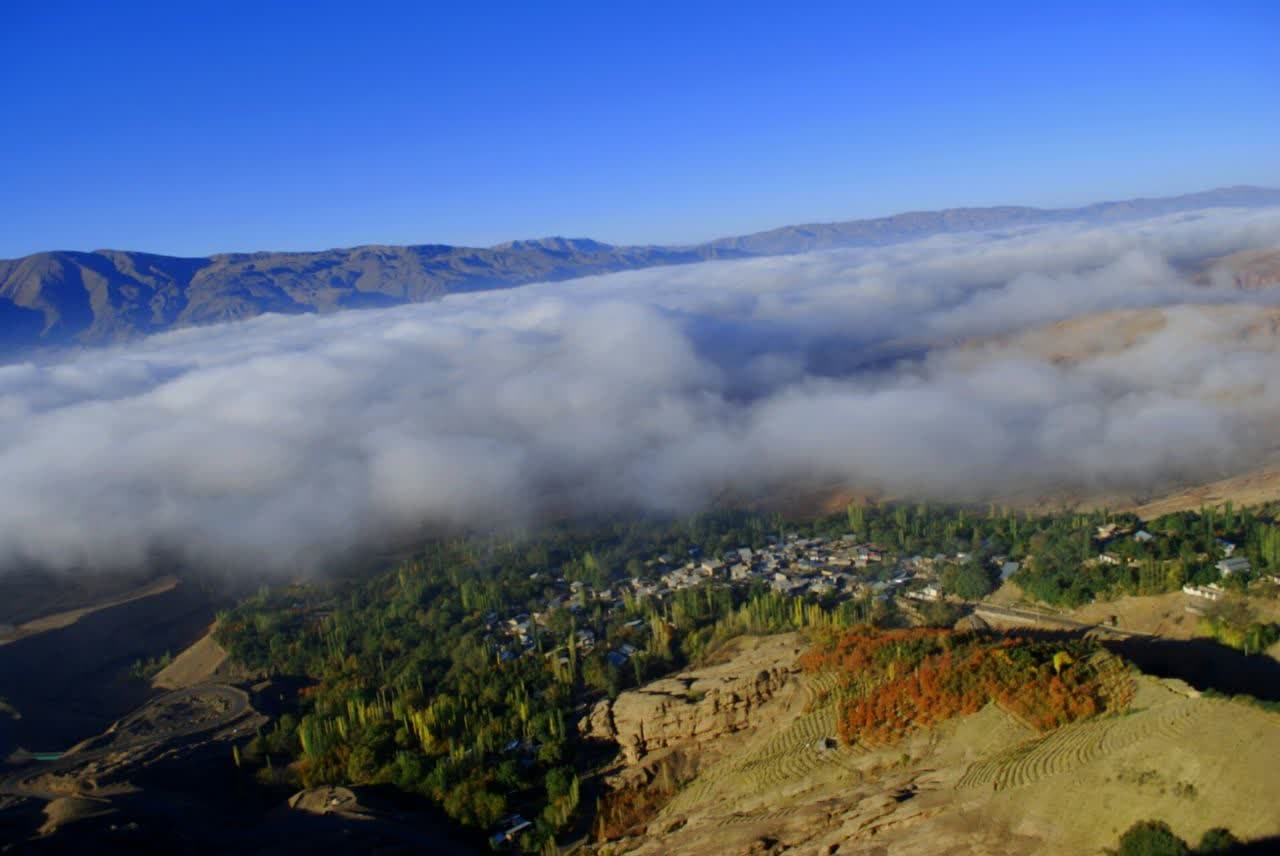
1075, 745
1116, 679
754, 816
791, 755
820, 689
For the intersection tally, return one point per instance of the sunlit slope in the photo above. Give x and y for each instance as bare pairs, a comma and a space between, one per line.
983, 783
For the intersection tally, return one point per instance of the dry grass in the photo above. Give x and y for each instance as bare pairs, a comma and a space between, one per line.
983, 784
1163, 615
201, 663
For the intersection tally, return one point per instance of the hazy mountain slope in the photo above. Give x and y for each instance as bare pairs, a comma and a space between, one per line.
63, 297
104, 296
920, 224
1247, 270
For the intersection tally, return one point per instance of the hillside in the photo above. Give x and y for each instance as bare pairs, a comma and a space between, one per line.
984, 782
91, 298
1248, 269
68, 297
920, 224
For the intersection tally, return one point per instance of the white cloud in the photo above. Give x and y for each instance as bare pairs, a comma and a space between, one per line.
253, 444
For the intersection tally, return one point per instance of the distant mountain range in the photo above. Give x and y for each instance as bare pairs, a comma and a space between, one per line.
65, 297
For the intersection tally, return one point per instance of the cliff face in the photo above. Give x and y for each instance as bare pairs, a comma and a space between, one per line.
694, 708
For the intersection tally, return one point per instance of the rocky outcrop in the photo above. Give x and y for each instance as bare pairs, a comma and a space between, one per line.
698, 705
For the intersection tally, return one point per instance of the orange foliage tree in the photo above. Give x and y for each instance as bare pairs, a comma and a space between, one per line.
897, 681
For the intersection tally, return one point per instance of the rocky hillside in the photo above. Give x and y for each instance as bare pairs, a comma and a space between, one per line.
64, 297
702, 705
1248, 270
779, 777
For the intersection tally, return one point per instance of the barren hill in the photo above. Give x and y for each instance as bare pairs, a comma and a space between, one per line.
66, 297
1249, 269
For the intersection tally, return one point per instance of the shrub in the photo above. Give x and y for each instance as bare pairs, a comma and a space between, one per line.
1151, 838
1217, 840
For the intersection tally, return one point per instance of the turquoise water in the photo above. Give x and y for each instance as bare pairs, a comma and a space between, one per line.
46, 756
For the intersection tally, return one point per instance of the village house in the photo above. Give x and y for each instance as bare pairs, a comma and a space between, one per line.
1237, 565
1210, 592
509, 828
929, 593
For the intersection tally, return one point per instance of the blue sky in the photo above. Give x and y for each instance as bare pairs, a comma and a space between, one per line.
197, 127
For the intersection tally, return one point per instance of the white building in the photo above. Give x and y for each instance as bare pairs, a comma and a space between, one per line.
1209, 592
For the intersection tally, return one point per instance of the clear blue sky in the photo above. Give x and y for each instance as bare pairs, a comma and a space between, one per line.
193, 127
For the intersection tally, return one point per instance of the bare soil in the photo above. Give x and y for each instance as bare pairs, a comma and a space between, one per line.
204, 662
1162, 615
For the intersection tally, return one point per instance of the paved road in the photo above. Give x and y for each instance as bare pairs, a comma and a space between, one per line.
237, 705
1010, 613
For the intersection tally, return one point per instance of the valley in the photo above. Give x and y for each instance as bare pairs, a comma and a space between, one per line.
637, 685
872, 448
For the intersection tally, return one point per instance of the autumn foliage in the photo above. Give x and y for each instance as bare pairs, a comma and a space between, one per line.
627, 810
896, 681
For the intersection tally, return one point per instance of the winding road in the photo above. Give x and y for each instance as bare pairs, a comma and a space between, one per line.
23, 782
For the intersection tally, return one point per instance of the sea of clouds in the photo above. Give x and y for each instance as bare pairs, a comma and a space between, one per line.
269, 443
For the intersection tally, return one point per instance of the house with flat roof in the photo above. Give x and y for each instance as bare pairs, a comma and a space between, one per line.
1234, 565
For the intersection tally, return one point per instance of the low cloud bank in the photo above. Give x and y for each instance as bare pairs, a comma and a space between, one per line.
266, 444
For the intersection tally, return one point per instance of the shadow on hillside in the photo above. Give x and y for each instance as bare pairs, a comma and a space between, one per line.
201, 804
1259, 847
1205, 665
1202, 663
72, 682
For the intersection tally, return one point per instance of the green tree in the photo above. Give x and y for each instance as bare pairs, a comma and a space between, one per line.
1151, 838
969, 580
1217, 840
559, 781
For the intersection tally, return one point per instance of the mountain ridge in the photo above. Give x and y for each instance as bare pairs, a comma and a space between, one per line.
69, 297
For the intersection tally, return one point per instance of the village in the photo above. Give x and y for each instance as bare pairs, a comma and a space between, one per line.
829, 569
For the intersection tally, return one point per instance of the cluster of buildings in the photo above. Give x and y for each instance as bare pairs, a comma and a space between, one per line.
1230, 563
795, 566
842, 567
